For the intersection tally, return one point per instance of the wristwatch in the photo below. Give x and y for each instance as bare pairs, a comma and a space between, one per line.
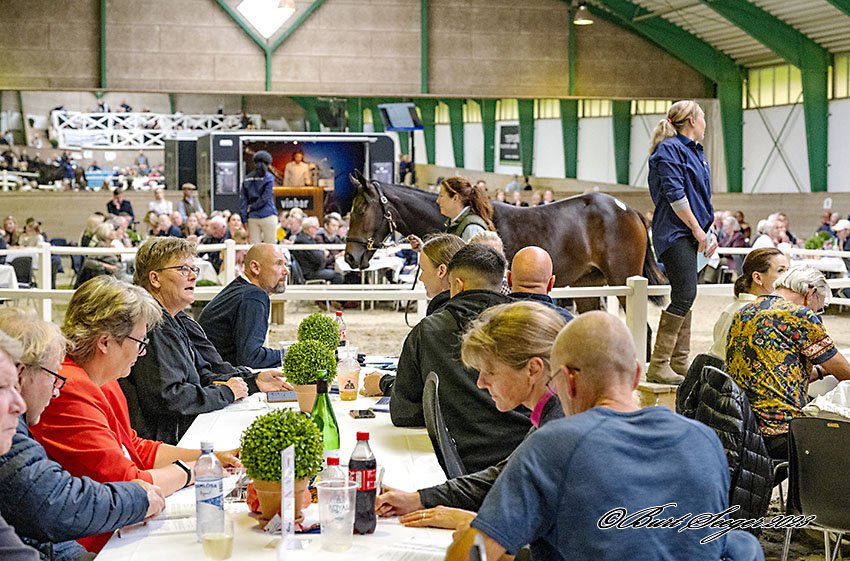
182, 465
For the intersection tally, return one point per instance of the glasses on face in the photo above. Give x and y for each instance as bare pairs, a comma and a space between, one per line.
143, 343
184, 270
565, 368
58, 380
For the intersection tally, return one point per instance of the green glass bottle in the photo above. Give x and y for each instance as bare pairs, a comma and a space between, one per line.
323, 416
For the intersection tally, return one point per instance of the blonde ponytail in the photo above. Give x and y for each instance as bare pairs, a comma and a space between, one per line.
677, 116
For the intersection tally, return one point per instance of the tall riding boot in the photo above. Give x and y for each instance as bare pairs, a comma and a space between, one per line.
659, 370
680, 360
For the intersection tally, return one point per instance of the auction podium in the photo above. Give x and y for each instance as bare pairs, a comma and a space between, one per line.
309, 199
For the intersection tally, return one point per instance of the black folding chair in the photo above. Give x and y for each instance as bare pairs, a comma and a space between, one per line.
818, 482
23, 271
444, 444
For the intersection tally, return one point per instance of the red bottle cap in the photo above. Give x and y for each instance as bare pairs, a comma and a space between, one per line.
339, 314
332, 461
362, 435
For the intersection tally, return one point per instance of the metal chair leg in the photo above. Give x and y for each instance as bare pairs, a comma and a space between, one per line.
787, 546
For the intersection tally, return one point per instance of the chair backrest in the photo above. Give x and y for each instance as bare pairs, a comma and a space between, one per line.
693, 376
444, 445
23, 269
819, 483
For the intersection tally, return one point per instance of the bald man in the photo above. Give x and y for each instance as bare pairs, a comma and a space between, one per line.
569, 484
237, 319
531, 278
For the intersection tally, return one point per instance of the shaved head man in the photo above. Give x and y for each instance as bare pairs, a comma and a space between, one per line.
531, 278
579, 478
237, 319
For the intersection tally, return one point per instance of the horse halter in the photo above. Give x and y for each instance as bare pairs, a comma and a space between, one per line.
370, 243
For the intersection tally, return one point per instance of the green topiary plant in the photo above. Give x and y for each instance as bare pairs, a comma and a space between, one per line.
319, 327
817, 241
264, 440
304, 359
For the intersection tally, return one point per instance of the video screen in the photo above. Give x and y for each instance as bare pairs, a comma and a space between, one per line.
329, 164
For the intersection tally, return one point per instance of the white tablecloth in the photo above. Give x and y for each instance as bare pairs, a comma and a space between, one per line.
834, 265
380, 261
406, 455
7, 277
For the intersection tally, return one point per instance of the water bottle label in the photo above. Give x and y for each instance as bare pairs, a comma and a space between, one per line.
365, 478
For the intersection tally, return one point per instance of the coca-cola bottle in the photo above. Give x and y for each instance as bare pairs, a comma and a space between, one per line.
361, 470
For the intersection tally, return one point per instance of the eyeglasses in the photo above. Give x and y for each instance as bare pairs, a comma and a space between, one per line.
184, 270
58, 381
552, 377
143, 343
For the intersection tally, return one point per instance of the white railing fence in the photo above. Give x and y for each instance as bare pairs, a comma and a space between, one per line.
636, 292
73, 129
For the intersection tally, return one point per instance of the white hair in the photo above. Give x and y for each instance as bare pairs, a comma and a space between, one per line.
800, 278
11, 346
217, 220
310, 222
732, 221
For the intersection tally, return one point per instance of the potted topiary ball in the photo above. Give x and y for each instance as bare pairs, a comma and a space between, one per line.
319, 327
301, 365
261, 445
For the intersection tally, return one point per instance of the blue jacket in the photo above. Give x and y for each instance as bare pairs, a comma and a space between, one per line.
47, 505
256, 199
678, 169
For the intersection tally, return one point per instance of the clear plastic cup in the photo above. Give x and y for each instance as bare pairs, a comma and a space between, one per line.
217, 539
348, 375
337, 506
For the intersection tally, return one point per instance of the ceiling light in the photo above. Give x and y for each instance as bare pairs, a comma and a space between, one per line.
582, 16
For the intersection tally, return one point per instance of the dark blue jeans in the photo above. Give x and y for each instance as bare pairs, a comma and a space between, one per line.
680, 265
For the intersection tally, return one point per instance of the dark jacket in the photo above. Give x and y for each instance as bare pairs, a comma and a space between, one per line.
11, 547
47, 505
544, 299
171, 384
256, 198
468, 491
117, 210
236, 322
214, 257
718, 402
484, 436
310, 260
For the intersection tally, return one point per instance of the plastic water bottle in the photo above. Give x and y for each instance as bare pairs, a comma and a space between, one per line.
209, 489
362, 469
333, 471
343, 335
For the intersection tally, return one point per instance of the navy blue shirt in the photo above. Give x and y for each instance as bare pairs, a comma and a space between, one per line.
567, 477
256, 199
677, 170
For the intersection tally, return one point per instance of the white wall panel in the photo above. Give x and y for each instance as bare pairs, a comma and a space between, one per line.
642, 127
838, 172
443, 139
473, 146
548, 148
596, 150
764, 169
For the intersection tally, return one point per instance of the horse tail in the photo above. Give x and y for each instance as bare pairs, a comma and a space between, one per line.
651, 270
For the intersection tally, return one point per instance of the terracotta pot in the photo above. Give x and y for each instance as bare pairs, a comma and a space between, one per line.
269, 496
306, 397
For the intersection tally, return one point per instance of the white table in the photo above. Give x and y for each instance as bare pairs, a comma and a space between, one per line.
406, 455
8, 279
833, 265
207, 271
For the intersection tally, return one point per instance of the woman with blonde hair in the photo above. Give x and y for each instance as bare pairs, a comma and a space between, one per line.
680, 186
510, 346
93, 221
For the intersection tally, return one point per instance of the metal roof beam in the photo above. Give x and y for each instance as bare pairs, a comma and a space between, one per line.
702, 57
843, 5
804, 53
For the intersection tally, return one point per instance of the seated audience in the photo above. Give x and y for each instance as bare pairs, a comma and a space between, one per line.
236, 321
234, 223
548, 197
770, 234
94, 220
761, 269
517, 200
192, 228
745, 228
437, 251
49, 507
328, 234
500, 196
777, 345
11, 406
87, 428
10, 231
118, 204
177, 220
165, 228
189, 203
313, 262
530, 278
536, 198
828, 220
32, 235
216, 233
484, 435
510, 346
732, 237
842, 238
159, 205
560, 493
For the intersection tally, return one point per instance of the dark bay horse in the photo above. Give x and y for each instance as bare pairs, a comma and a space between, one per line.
594, 239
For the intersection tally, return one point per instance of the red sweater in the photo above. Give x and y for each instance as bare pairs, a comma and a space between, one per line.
87, 430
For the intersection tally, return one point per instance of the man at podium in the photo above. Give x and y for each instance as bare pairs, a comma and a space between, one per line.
297, 173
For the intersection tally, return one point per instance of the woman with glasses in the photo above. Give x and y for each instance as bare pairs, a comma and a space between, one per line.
509, 345
49, 507
777, 345
87, 428
172, 383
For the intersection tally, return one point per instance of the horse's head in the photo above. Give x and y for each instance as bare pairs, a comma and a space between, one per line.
368, 227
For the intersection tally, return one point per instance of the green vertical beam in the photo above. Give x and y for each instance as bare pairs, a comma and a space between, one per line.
308, 103
424, 58
354, 111
488, 122
377, 122
427, 107
621, 113
404, 142
700, 56
243, 103
572, 53
172, 104
569, 132
456, 126
103, 82
804, 53
526, 134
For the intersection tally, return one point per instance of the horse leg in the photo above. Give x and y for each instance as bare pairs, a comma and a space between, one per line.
592, 278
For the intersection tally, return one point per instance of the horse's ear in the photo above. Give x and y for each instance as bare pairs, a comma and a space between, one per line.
358, 180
